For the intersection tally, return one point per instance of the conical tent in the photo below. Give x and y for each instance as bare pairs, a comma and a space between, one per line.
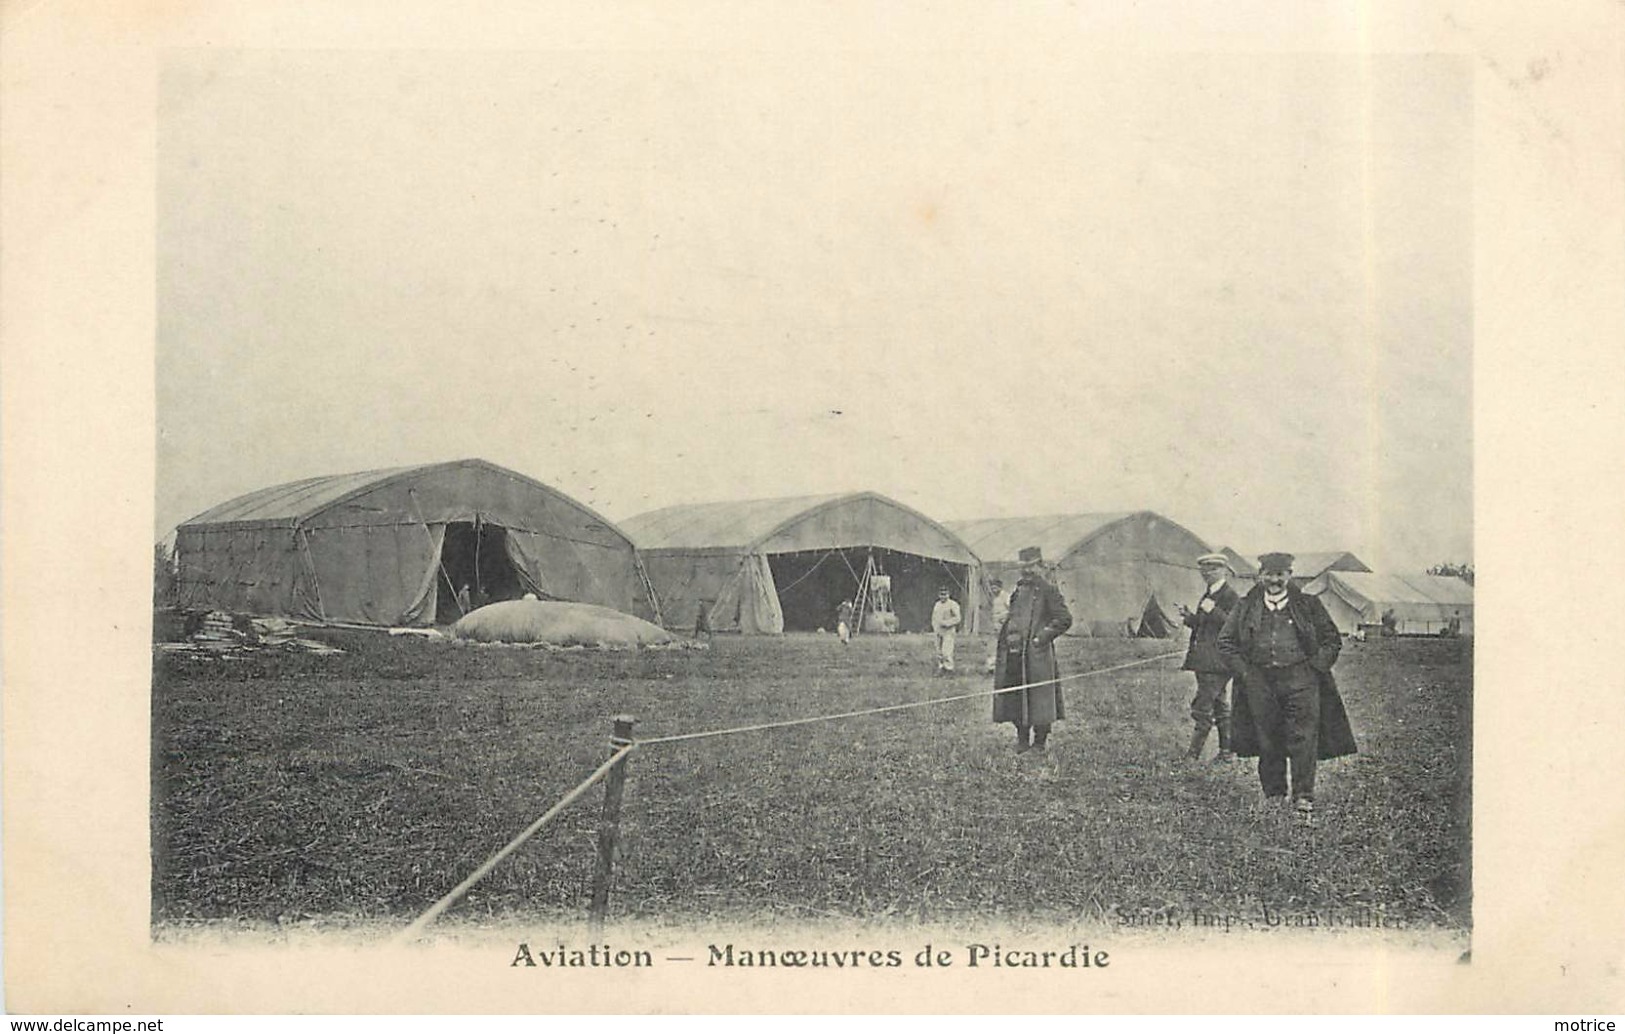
405, 546
1114, 569
1155, 622
777, 565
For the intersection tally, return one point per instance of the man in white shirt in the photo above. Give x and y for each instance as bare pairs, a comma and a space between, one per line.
1001, 612
944, 623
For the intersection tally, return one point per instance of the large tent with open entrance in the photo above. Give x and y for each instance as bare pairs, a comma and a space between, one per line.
1121, 573
778, 565
396, 547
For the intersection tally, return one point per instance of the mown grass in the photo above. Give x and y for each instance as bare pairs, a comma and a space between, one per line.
360, 787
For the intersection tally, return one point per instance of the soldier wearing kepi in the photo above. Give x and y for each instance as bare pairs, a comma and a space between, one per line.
1281, 645
1026, 655
1211, 705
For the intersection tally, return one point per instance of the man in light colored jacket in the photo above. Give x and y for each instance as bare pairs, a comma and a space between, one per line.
945, 619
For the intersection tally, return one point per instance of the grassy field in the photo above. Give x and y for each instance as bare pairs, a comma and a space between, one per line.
355, 789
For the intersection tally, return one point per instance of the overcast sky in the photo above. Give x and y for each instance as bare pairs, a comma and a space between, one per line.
1236, 290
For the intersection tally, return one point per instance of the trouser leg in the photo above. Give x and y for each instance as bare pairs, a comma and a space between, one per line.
1204, 709
1221, 714
1300, 714
1266, 711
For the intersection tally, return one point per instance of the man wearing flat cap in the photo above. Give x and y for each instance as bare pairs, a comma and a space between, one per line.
1211, 705
1026, 655
1281, 645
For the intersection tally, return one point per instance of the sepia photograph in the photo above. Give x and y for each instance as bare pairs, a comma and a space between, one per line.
695, 516
832, 420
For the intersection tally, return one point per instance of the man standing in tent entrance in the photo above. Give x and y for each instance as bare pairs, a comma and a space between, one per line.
1281, 645
1210, 706
1026, 655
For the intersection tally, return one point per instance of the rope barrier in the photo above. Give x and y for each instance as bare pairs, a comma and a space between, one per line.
895, 707
456, 893
435, 910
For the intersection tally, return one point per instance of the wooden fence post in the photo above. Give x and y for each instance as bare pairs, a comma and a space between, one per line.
609, 826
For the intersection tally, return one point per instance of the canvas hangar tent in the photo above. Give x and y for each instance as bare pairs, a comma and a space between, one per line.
778, 565
393, 547
1121, 573
1423, 604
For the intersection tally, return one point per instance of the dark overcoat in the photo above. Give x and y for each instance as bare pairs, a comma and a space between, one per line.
1204, 654
1037, 612
1321, 642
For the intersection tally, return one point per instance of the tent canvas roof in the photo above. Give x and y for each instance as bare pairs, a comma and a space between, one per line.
1241, 565
1309, 565
1000, 539
744, 526
296, 499
739, 524
1383, 589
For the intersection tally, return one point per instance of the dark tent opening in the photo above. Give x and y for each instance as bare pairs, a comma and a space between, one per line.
475, 555
812, 583
1154, 624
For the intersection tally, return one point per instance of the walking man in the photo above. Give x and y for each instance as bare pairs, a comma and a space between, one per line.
1281, 645
944, 623
1211, 705
1026, 655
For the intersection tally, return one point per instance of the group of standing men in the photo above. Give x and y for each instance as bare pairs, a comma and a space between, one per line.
1277, 643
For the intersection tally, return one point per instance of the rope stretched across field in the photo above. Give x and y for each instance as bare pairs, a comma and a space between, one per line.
895, 707
439, 907
434, 911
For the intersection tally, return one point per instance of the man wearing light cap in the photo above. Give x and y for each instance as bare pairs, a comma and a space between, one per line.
1281, 645
1026, 655
1210, 707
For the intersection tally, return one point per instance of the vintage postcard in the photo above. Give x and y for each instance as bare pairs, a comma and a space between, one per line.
807, 508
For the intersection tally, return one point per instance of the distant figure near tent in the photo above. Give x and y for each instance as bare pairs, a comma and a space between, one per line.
1000, 602
945, 619
843, 622
702, 619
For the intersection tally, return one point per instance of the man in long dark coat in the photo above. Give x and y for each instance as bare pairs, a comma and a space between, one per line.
1026, 655
1281, 645
1211, 706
